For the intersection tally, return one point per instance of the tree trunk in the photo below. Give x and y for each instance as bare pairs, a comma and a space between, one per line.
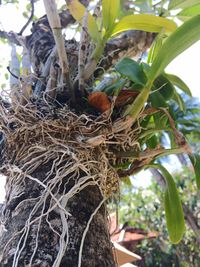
38, 243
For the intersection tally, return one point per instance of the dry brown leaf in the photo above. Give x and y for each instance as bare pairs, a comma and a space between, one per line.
125, 97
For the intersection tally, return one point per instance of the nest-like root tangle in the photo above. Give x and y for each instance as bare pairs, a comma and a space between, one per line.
79, 148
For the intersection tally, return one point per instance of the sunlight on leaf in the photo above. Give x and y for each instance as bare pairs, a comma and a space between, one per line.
175, 4
189, 12
181, 39
156, 45
144, 22
78, 11
110, 10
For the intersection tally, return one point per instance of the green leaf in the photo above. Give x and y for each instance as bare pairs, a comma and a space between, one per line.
134, 109
175, 80
110, 10
146, 68
165, 87
25, 14
181, 39
78, 11
179, 101
115, 88
173, 207
175, 4
134, 71
172, 140
157, 100
195, 160
144, 22
152, 142
131, 69
190, 11
155, 47
160, 120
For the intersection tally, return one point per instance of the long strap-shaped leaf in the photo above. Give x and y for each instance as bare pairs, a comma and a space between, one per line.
144, 22
181, 39
110, 10
175, 80
135, 108
175, 4
78, 11
195, 160
173, 208
190, 11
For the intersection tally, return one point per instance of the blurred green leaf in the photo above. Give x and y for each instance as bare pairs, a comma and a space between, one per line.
127, 181
189, 11
152, 142
25, 14
175, 80
157, 100
165, 87
160, 119
179, 100
28, 7
175, 4
6, 76
155, 47
173, 207
195, 159
114, 88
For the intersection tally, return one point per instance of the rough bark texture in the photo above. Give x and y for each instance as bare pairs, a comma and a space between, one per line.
97, 247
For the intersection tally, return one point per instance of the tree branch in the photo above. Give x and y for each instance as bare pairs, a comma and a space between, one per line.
131, 43
30, 18
65, 18
192, 222
10, 36
140, 160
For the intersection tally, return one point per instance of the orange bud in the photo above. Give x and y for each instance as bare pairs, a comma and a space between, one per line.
100, 101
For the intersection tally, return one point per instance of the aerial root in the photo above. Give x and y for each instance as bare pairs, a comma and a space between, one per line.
69, 142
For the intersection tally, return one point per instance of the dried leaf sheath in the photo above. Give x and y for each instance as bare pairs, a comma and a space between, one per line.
54, 21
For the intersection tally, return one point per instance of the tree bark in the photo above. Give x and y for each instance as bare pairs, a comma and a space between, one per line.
42, 241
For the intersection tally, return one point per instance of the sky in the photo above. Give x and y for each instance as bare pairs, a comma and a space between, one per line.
186, 65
